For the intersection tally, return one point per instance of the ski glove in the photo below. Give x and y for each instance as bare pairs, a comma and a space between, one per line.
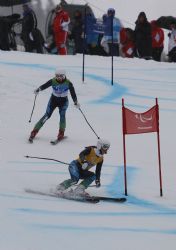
36, 91
77, 105
98, 184
85, 165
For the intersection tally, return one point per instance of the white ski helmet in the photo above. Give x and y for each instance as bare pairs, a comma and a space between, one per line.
103, 144
59, 72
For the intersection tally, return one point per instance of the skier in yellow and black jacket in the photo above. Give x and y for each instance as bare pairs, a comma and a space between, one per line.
80, 168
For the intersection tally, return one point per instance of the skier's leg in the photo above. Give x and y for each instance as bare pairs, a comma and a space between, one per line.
74, 173
61, 43
62, 123
88, 177
62, 49
49, 110
65, 185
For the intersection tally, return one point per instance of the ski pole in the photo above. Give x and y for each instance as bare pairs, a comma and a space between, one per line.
89, 123
50, 159
43, 158
33, 107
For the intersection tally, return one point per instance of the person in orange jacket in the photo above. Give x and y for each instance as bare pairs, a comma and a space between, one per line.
157, 41
60, 29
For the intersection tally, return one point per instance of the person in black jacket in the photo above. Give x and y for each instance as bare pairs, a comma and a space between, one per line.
4, 40
59, 99
77, 32
143, 37
29, 23
7, 40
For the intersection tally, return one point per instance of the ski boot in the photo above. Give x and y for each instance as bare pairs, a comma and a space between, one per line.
60, 135
65, 185
32, 135
80, 191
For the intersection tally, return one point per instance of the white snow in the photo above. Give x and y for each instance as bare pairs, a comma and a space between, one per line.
32, 222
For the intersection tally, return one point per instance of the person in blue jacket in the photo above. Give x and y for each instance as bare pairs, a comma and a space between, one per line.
112, 27
91, 35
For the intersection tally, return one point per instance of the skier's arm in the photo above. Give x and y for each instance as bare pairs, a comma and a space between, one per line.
73, 93
44, 86
98, 173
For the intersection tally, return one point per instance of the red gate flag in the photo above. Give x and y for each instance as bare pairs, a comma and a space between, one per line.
137, 123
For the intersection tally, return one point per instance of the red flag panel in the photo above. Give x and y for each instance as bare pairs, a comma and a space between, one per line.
137, 123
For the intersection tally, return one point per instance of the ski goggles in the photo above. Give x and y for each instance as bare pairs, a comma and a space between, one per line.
60, 77
105, 146
105, 149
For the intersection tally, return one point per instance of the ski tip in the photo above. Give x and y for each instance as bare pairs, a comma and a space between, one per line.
30, 140
122, 199
94, 201
54, 142
112, 199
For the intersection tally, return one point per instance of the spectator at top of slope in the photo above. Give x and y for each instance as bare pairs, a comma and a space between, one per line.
29, 22
157, 41
127, 44
60, 29
172, 43
77, 31
112, 27
143, 37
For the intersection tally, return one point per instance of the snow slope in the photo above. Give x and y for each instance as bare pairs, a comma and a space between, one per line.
32, 222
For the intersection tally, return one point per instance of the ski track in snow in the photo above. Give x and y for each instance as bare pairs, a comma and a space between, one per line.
118, 90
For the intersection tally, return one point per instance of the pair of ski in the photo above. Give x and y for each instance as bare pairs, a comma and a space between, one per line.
53, 142
68, 196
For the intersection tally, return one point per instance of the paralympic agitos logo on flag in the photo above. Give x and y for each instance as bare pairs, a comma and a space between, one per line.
145, 121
